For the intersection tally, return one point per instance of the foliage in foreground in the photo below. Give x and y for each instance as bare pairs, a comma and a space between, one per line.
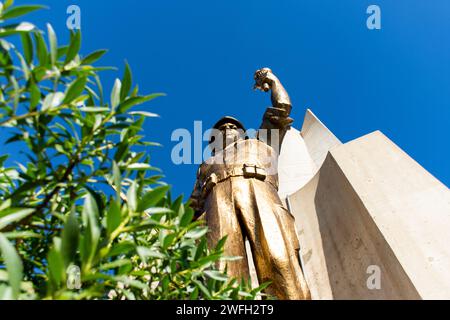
86, 197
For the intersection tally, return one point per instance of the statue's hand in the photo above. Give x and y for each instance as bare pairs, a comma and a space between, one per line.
264, 78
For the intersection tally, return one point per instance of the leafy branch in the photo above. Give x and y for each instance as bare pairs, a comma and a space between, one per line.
84, 193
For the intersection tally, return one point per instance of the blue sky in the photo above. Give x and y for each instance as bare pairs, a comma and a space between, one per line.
203, 55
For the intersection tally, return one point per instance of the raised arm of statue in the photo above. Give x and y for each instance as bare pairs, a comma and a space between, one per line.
278, 115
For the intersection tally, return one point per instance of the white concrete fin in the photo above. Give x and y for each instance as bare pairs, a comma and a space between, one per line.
371, 205
302, 154
318, 138
295, 166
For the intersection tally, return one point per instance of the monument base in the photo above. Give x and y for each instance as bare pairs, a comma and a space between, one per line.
372, 223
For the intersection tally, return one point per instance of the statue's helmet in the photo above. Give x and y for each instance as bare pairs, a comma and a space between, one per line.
228, 119
225, 120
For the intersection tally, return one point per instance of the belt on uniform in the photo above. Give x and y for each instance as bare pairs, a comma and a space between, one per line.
246, 171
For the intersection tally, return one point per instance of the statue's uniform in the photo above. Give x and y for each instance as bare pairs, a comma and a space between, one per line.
236, 189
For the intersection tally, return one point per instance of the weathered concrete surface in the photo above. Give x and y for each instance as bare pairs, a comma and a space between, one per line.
302, 154
371, 204
295, 166
318, 139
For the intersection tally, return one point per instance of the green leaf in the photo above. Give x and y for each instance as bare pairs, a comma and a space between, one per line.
132, 196
56, 263
146, 253
150, 224
12, 215
133, 101
62, 51
114, 264
177, 205
35, 95
8, 202
125, 247
196, 233
90, 209
115, 94
52, 101
168, 240
261, 287
126, 82
17, 28
122, 150
194, 294
221, 243
70, 236
130, 282
117, 176
117, 180
145, 114
156, 210
113, 218
208, 260
90, 220
27, 45
94, 56
74, 47
41, 49
140, 166
7, 4
216, 275
186, 218
200, 249
75, 89
13, 265
22, 235
152, 197
53, 44
203, 289
94, 109
20, 11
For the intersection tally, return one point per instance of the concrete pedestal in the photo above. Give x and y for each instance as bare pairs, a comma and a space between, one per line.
371, 208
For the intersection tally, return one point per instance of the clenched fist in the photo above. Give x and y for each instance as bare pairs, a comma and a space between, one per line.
264, 78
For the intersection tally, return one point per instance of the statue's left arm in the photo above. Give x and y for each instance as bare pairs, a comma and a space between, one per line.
278, 115
196, 199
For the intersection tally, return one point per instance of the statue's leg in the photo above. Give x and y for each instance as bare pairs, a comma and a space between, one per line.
222, 221
287, 223
272, 238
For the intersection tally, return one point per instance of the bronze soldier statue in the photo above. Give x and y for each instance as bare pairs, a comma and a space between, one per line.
236, 190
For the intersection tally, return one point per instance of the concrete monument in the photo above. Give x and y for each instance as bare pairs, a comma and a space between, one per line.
370, 222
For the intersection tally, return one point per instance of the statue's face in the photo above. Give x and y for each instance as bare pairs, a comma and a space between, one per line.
230, 134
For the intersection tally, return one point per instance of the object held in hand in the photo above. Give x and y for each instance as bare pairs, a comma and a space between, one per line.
260, 79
